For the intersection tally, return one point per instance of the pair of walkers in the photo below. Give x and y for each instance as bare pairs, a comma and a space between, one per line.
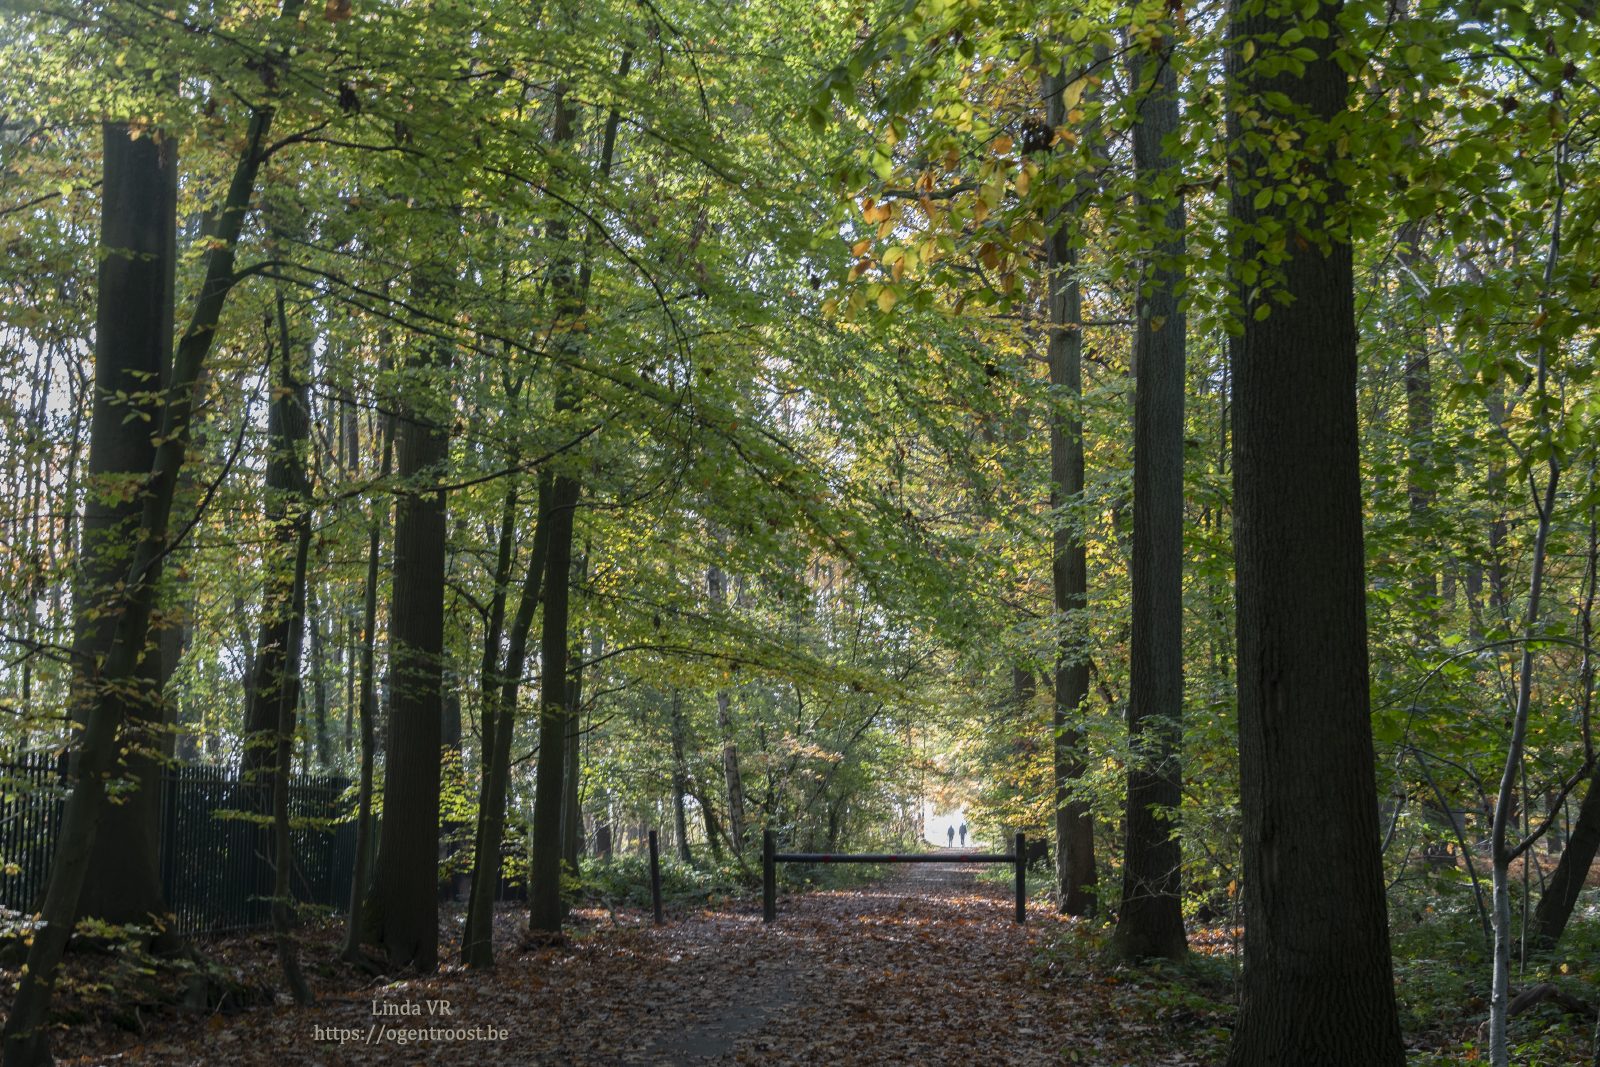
950, 835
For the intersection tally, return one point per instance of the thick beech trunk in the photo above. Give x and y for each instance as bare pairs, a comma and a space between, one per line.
1069, 569
1318, 989
406, 888
1150, 922
133, 346
97, 700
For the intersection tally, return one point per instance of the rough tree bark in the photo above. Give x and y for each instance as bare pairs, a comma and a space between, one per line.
1318, 986
1150, 923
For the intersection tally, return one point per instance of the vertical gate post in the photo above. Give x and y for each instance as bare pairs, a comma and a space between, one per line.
769, 877
1021, 856
655, 877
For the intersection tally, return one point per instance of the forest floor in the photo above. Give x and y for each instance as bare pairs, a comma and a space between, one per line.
925, 966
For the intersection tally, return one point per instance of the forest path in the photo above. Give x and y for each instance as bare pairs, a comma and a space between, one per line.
925, 967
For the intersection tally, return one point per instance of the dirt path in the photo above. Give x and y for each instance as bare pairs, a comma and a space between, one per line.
926, 967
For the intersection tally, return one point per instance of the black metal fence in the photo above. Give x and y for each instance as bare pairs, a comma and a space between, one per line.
216, 865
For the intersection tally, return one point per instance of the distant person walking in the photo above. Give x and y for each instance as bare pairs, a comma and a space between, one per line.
963, 835
950, 835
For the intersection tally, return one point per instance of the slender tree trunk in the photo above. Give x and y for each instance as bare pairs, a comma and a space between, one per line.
680, 777
544, 881
716, 586
1069, 570
287, 503
319, 679
1150, 923
477, 943
406, 889
568, 287
275, 696
1503, 851
571, 805
133, 346
1560, 893
367, 710
1318, 989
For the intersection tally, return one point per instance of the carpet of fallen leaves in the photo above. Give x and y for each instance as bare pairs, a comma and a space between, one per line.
925, 967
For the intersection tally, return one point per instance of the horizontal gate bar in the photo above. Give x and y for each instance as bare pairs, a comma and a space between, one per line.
885, 857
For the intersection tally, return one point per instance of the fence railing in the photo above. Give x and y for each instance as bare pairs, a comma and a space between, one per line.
216, 863
771, 857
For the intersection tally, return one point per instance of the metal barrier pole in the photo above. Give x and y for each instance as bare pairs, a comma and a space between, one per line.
655, 877
769, 877
1021, 853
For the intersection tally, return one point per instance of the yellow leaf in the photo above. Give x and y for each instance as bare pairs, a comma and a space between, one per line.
860, 247
1074, 92
1003, 145
886, 300
1249, 51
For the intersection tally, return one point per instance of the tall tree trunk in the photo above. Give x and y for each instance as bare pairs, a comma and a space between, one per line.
276, 692
1318, 988
680, 776
1069, 568
1419, 432
128, 615
571, 804
319, 679
287, 504
367, 708
1503, 851
716, 586
544, 881
406, 888
477, 942
1150, 923
568, 288
133, 346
